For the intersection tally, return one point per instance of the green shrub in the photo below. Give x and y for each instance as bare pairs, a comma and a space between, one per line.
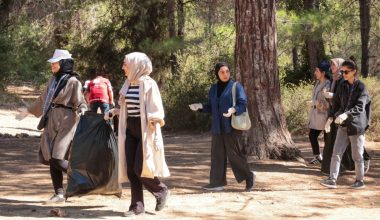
372, 84
294, 100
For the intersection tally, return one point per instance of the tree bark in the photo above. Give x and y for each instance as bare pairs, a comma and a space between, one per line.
181, 18
295, 59
257, 70
365, 25
171, 4
314, 41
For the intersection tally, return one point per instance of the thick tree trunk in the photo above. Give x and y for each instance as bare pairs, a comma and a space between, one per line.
314, 41
257, 70
365, 25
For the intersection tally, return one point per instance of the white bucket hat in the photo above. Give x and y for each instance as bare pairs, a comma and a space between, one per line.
59, 55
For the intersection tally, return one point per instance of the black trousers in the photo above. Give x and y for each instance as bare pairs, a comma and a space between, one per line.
229, 146
134, 156
313, 137
347, 163
57, 168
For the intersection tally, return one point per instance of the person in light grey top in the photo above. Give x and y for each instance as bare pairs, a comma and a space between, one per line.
319, 106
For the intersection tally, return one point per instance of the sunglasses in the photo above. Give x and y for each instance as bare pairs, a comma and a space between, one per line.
345, 71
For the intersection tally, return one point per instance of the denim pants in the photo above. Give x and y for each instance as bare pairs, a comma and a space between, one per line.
357, 149
104, 107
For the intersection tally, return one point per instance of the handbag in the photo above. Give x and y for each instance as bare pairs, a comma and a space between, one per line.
242, 121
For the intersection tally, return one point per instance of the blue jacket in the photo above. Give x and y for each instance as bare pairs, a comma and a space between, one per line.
217, 106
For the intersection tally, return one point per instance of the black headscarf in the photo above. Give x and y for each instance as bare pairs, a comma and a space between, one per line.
66, 70
220, 85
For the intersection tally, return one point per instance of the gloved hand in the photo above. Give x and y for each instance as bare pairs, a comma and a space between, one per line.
22, 113
328, 95
111, 113
157, 140
229, 112
341, 118
327, 125
82, 111
196, 106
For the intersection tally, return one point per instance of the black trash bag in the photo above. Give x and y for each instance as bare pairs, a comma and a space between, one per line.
93, 158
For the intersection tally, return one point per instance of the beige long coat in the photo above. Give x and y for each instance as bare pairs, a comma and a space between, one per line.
59, 131
151, 107
318, 112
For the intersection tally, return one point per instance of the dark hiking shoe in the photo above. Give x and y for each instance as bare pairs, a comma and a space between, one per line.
250, 182
160, 202
56, 198
315, 161
329, 183
210, 187
366, 166
358, 185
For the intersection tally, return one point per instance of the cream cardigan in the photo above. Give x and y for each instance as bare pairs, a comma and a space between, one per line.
151, 107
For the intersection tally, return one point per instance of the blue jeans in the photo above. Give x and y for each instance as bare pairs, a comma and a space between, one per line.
104, 107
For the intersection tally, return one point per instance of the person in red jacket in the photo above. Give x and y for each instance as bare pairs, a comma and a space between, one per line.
100, 93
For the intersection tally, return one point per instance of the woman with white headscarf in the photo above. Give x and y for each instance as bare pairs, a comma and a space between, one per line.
347, 163
141, 150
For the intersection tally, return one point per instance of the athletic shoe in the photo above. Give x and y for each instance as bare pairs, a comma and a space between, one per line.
315, 161
56, 198
358, 185
250, 182
329, 183
160, 202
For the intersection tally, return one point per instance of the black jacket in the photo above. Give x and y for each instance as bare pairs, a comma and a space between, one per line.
355, 102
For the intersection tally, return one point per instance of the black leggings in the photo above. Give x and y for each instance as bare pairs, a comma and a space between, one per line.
313, 137
57, 167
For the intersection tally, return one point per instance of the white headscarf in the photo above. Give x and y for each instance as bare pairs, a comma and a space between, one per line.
138, 65
338, 63
335, 76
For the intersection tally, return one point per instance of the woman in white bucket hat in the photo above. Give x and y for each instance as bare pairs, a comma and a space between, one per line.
60, 105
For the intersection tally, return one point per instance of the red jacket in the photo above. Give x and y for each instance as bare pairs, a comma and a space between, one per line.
100, 90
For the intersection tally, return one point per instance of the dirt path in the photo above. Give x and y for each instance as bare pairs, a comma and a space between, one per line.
285, 190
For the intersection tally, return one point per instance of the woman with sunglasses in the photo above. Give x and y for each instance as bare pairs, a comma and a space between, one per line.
347, 163
351, 104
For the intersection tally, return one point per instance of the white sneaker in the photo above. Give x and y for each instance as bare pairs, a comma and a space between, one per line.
56, 198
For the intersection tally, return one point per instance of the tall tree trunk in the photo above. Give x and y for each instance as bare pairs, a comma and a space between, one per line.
365, 26
295, 59
181, 18
256, 68
314, 41
172, 34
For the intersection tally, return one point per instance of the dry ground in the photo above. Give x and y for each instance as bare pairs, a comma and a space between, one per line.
286, 190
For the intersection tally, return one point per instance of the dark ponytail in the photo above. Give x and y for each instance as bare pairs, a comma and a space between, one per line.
351, 63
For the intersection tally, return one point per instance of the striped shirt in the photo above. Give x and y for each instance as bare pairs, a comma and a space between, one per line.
133, 102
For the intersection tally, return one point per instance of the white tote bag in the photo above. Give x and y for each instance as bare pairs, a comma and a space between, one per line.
242, 121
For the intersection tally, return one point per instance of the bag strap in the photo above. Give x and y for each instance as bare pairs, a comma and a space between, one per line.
234, 94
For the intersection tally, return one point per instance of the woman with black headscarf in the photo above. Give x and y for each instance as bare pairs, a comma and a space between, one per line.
60, 105
226, 141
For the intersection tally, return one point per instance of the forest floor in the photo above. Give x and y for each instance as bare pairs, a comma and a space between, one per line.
284, 189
